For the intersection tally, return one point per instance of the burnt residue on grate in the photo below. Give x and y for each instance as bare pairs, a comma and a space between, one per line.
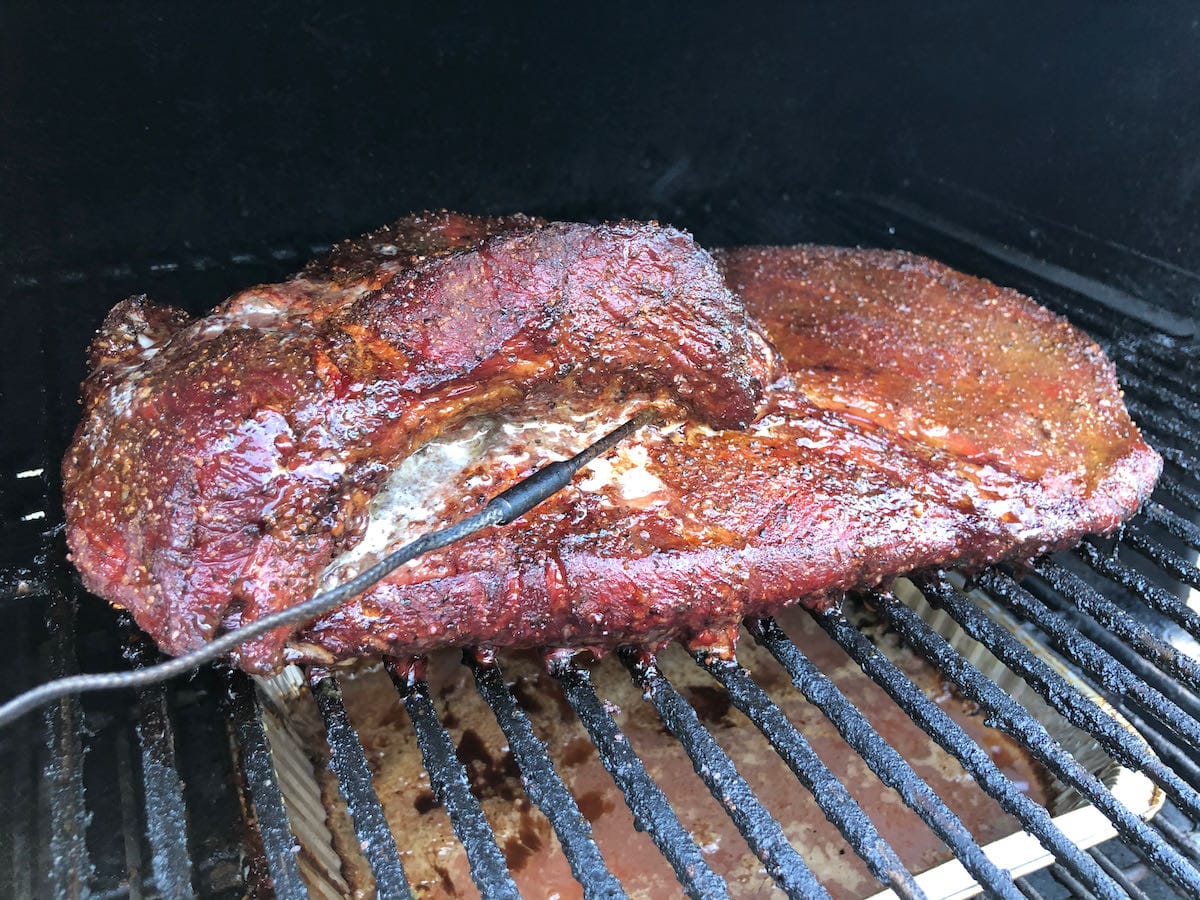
431, 855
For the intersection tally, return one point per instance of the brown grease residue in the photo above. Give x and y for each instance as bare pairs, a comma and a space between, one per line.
437, 865
711, 703
594, 804
528, 700
529, 840
578, 751
491, 774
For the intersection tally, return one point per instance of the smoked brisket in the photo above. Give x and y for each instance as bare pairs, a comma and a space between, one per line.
829, 419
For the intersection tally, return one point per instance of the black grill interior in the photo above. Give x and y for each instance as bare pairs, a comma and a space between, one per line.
174, 791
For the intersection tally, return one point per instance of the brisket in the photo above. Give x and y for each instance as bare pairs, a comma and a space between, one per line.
907, 416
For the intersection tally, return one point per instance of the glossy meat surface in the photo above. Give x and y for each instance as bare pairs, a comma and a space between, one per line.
229, 466
929, 419
220, 463
953, 361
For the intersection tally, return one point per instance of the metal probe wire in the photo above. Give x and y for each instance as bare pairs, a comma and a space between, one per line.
500, 510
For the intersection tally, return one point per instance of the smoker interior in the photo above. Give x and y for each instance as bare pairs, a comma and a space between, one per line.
176, 790
187, 155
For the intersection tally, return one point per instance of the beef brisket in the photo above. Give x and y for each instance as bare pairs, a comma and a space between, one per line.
229, 466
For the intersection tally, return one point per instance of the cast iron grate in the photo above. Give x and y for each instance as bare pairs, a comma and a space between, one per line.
1113, 610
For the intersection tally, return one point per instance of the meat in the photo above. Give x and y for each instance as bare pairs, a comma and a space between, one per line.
220, 463
911, 417
955, 362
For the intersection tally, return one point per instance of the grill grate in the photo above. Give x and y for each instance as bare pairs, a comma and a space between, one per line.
651, 811
349, 764
544, 786
1150, 647
450, 786
831, 795
762, 832
1080, 711
166, 810
1017, 722
1111, 610
280, 848
882, 758
958, 743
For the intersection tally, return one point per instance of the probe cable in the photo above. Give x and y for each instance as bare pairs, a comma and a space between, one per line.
500, 510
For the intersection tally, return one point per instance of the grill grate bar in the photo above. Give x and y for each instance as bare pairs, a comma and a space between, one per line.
1028, 890
1172, 483
760, 829
1185, 461
881, 757
1186, 409
166, 811
1113, 675
651, 810
831, 795
1176, 488
1087, 599
1167, 560
279, 844
1163, 433
1159, 515
1151, 367
16, 793
1178, 838
954, 740
544, 786
1152, 421
349, 763
1159, 347
1115, 873
1070, 703
1165, 410
134, 865
69, 864
1163, 684
1151, 594
1167, 751
1010, 717
448, 778
1170, 351
1074, 888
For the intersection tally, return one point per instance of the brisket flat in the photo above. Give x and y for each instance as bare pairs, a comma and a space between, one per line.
911, 417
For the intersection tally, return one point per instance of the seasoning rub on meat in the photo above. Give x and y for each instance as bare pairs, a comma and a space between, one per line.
829, 419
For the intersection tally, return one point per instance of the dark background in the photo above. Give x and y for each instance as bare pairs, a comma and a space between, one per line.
147, 128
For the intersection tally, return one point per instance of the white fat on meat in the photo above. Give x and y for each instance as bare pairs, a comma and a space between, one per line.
627, 471
414, 498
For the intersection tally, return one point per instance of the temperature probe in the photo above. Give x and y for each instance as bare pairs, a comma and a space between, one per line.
500, 510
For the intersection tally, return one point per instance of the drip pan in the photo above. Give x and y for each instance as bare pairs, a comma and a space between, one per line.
1084, 825
333, 866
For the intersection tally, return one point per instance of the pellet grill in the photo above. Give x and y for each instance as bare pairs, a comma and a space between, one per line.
178, 790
